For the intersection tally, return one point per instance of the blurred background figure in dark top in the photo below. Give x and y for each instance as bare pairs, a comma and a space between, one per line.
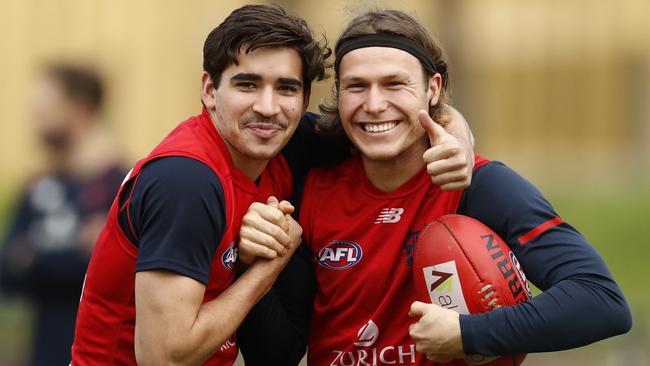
61, 210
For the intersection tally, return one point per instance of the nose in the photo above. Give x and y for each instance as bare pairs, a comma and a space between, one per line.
376, 101
265, 103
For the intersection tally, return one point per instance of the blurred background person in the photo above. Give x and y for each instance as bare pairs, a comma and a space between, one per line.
61, 210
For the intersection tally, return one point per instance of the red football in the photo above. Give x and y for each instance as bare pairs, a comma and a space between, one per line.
462, 265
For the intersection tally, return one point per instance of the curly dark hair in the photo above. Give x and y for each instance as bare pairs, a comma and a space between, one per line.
397, 23
254, 26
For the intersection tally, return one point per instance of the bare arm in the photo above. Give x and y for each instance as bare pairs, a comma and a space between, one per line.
174, 327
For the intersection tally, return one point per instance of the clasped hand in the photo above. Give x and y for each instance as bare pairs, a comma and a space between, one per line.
268, 231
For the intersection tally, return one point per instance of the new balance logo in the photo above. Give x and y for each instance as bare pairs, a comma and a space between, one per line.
389, 216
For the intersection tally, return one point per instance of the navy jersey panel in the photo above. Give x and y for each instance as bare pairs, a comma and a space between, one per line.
308, 148
576, 282
177, 217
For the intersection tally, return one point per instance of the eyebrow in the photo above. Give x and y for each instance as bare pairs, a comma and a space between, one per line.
257, 77
396, 76
247, 77
351, 79
290, 81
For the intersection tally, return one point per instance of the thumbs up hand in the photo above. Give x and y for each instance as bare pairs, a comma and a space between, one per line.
450, 159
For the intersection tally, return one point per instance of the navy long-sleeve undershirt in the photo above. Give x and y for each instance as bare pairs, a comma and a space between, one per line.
580, 304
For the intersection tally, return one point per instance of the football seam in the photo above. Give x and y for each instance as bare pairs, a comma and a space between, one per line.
471, 264
462, 250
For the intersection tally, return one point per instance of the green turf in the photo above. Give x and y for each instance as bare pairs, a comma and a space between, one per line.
15, 319
15, 328
618, 225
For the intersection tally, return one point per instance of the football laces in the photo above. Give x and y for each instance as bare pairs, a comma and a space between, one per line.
489, 292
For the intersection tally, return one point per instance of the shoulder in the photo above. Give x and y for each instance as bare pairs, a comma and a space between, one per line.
177, 181
495, 179
310, 148
496, 186
309, 120
505, 201
176, 202
178, 172
304, 133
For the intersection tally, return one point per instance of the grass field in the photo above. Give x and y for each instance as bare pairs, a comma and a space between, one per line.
617, 223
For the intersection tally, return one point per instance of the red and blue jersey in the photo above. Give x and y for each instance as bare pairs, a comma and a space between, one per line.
106, 318
362, 240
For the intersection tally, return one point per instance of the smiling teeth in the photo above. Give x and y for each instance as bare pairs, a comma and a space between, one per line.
379, 127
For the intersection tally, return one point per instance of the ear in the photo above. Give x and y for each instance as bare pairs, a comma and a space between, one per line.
434, 89
208, 91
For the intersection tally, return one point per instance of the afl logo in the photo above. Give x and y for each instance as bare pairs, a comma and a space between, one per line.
339, 254
229, 257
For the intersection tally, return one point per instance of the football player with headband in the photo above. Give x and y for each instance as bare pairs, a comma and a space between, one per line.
349, 286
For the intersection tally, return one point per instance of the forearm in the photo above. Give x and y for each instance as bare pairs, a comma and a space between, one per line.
581, 302
574, 313
218, 319
172, 337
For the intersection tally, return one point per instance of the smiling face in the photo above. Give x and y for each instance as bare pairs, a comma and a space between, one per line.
381, 90
258, 102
